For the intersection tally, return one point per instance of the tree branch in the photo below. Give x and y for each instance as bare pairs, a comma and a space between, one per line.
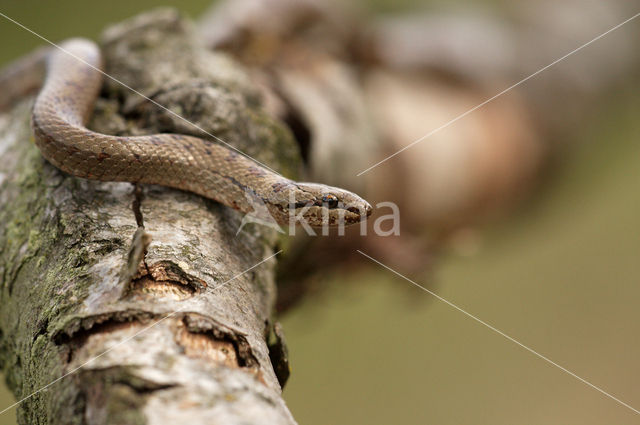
163, 324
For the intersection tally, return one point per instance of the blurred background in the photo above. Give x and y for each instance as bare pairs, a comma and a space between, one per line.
532, 225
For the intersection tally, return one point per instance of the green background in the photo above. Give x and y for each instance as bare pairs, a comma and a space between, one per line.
561, 276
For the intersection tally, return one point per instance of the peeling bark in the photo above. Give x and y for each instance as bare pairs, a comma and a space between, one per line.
177, 329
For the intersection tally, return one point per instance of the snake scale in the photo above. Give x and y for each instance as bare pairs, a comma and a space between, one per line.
65, 103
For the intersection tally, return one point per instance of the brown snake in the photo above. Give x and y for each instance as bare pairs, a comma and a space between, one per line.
66, 101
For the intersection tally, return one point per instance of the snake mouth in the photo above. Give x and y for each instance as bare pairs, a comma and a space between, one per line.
359, 210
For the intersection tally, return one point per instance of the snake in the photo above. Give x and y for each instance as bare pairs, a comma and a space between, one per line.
71, 84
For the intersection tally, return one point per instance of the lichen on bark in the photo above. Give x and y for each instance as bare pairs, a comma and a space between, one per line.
182, 335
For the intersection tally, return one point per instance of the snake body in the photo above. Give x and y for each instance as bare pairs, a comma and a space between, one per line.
65, 103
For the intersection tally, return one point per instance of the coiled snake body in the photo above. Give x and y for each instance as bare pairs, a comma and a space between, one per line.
66, 101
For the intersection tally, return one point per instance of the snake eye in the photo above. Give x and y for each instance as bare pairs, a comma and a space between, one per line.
330, 200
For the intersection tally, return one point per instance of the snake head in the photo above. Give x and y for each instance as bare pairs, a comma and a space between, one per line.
321, 204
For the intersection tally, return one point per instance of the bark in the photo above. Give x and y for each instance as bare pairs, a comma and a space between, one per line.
177, 331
